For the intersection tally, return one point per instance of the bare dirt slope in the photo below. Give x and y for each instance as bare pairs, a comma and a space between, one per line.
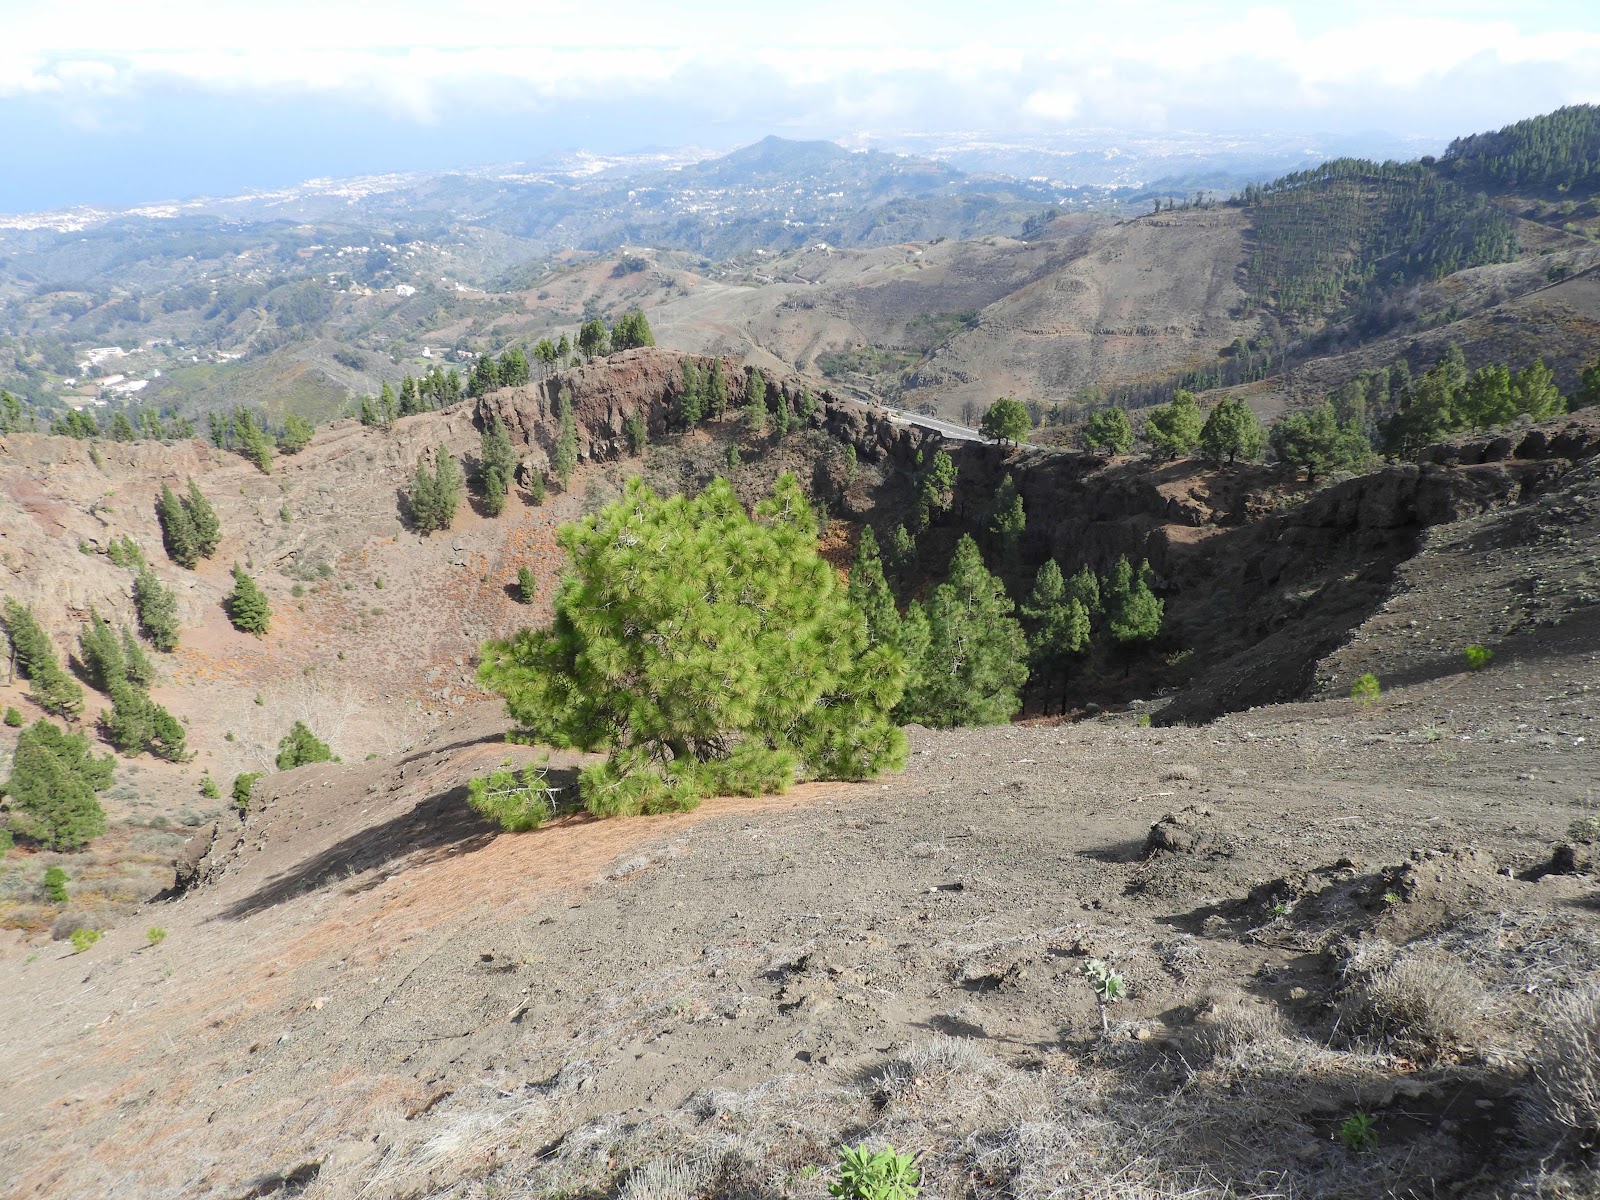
369, 993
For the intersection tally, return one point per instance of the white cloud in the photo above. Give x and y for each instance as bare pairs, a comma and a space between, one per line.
851, 63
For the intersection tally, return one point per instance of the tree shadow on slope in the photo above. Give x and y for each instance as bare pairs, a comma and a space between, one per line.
439, 826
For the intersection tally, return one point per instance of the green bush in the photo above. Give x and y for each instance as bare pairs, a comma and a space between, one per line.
55, 885
527, 585
208, 786
1478, 657
1366, 690
876, 1175
300, 746
155, 935
82, 939
243, 785
516, 802
13, 717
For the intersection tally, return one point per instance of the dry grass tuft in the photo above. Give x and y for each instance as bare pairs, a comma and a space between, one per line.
1564, 1107
1418, 1002
1231, 1027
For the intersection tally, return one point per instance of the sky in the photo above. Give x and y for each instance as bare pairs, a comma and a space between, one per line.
112, 102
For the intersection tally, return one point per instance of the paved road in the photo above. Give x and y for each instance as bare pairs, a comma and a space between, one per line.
956, 433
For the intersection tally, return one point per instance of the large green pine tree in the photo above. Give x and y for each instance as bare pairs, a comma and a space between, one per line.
936, 488
755, 404
1174, 429
1008, 521
177, 529
1059, 630
869, 591
247, 604
203, 521
691, 406
100, 653
1133, 612
54, 778
497, 467
976, 660
157, 608
716, 390
707, 650
565, 459
1231, 432
34, 656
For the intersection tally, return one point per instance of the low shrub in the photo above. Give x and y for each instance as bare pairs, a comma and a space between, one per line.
1478, 657
243, 785
13, 717
155, 935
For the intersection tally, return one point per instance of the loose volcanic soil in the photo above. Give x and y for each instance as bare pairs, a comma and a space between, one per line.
368, 992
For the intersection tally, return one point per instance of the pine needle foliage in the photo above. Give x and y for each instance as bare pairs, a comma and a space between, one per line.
54, 778
247, 604
34, 655
300, 746
498, 466
976, 659
708, 650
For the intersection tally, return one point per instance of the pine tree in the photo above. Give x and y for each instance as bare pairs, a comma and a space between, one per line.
300, 746
593, 341
54, 778
1060, 627
168, 739
177, 529
247, 605
936, 488
1231, 432
1007, 524
565, 460
136, 663
498, 465
122, 428
1174, 429
636, 431
691, 401
1108, 429
157, 607
707, 650
296, 435
34, 657
203, 522
902, 556
130, 722
1084, 587
869, 591
1133, 612
755, 405
806, 407
100, 653
409, 397
1317, 441
716, 390
1006, 420
527, 585
388, 406
975, 663
783, 422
